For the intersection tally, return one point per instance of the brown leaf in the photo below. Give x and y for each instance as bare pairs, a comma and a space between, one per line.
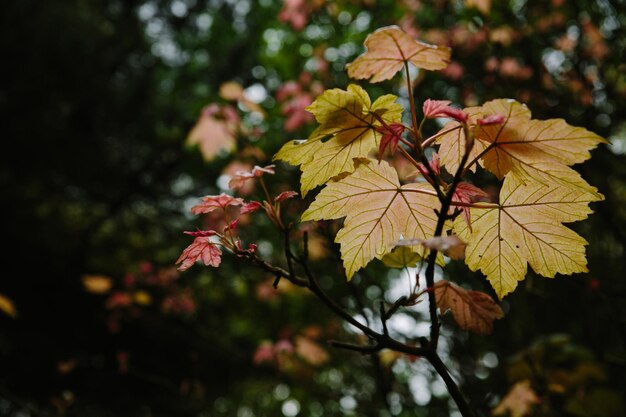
518, 402
389, 48
473, 311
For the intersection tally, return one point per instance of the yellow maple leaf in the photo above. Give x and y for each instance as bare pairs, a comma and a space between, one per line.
389, 48
520, 143
378, 212
351, 121
452, 143
526, 227
401, 257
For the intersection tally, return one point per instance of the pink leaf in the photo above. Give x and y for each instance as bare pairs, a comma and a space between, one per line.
432, 108
212, 202
467, 193
251, 207
284, 196
241, 177
391, 136
201, 249
440, 108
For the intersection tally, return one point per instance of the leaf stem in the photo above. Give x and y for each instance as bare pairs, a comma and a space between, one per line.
409, 85
429, 141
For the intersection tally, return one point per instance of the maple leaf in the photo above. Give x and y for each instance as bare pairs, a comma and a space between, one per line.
519, 401
526, 228
401, 257
467, 193
212, 202
213, 135
378, 212
388, 49
241, 177
352, 122
452, 143
518, 142
391, 136
201, 249
474, 311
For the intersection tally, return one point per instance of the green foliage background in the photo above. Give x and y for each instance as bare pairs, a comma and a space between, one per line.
96, 99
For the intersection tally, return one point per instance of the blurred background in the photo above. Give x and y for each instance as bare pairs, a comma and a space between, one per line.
107, 146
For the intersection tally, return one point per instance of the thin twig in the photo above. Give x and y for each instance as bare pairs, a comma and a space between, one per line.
400, 302
364, 349
418, 139
288, 255
452, 386
383, 318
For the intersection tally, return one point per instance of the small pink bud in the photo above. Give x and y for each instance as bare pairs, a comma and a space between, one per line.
251, 207
432, 108
456, 114
285, 195
440, 108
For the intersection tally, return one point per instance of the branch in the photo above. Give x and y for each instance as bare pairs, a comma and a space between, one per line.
288, 255
277, 271
364, 349
432, 257
453, 388
382, 341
